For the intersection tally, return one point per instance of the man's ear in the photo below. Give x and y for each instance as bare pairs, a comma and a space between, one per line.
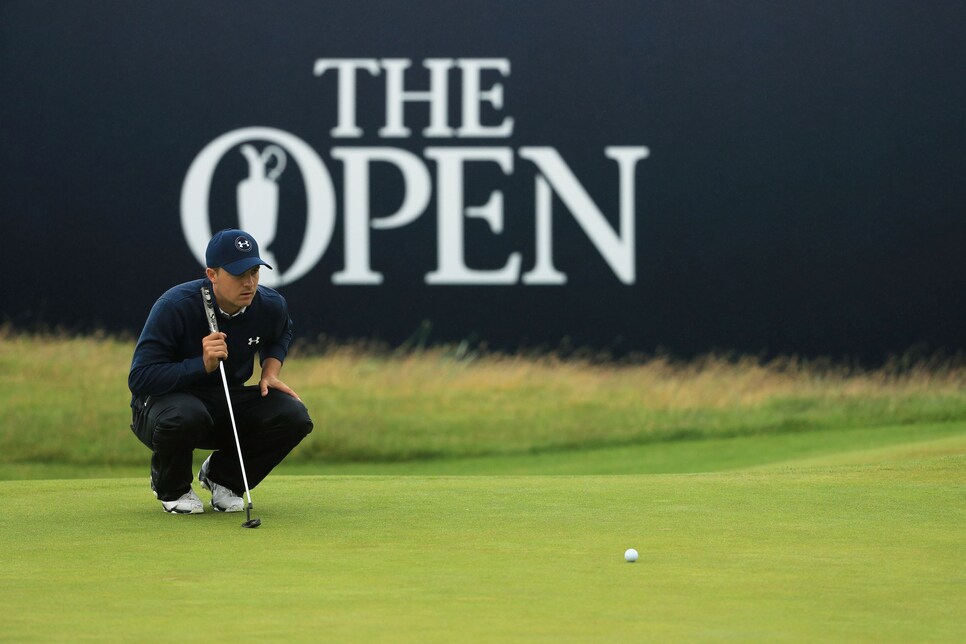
212, 274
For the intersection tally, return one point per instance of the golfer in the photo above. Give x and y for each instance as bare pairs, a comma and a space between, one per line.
178, 399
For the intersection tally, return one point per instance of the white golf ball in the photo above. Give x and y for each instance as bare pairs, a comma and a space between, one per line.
630, 555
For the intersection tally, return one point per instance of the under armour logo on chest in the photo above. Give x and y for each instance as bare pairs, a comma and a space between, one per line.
254, 340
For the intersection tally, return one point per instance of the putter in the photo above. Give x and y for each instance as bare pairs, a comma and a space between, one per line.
213, 326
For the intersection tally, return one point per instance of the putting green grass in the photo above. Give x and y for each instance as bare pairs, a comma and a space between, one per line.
859, 546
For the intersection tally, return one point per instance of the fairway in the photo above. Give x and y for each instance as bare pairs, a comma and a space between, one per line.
872, 551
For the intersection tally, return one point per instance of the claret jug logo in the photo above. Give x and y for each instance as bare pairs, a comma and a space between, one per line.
270, 152
258, 198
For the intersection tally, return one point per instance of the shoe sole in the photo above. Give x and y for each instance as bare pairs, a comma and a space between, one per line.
177, 511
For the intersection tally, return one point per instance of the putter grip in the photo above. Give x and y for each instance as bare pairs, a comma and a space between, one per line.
209, 309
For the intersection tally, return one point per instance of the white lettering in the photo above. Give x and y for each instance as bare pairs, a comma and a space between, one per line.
616, 248
449, 198
473, 97
357, 216
482, 99
436, 96
544, 272
347, 90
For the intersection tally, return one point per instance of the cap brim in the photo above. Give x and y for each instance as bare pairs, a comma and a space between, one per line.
242, 265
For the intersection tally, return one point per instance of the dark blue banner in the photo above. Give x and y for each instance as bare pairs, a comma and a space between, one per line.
625, 176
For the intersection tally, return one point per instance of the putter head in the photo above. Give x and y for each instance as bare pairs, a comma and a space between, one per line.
249, 521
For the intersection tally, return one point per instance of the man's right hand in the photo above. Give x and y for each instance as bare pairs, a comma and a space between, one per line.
215, 349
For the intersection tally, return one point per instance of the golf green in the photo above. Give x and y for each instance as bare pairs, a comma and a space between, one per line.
873, 551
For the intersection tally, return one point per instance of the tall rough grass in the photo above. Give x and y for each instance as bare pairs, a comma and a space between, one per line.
428, 404
65, 399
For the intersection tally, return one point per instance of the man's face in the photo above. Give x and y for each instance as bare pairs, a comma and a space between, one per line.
232, 292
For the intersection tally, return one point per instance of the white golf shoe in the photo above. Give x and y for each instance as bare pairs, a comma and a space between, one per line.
222, 499
189, 503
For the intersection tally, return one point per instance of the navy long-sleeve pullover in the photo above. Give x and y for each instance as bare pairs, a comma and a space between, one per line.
168, 356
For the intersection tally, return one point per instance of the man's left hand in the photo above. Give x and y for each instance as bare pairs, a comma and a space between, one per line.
274, 383
269, 379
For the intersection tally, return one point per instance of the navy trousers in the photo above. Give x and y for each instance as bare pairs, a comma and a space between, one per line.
174, 425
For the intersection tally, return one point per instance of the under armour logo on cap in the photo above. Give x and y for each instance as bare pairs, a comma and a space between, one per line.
233, 250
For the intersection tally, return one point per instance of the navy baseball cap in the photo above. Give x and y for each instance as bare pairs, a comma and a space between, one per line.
233, 250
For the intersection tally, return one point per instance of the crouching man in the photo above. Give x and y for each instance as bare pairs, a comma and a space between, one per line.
178, 400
